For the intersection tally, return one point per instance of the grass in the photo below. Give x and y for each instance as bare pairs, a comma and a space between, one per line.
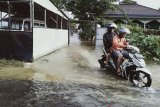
11, 62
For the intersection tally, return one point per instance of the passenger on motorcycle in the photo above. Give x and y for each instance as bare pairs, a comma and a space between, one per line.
119, 43
107, 42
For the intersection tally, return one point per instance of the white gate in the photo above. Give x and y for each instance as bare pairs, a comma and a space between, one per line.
99, 36
100, 33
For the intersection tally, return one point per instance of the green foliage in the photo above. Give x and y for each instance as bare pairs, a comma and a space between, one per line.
149, 45
87, 31
59, 3
105, 21
128, 2
5, 62
152, 32
86, 11
73, 27
133, 28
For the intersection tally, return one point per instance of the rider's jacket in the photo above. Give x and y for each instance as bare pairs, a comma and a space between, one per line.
108, 39
119, 43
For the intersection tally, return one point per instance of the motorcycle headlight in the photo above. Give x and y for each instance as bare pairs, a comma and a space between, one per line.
142, 63
135, 50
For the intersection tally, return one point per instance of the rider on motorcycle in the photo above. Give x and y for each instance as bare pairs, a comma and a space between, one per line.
119, 43
107, 42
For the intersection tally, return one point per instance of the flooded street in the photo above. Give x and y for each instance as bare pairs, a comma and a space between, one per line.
70, 77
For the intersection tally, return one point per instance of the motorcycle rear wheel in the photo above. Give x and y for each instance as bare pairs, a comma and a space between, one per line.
140, 79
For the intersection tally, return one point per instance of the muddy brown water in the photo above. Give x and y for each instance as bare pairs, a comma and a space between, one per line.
70, 77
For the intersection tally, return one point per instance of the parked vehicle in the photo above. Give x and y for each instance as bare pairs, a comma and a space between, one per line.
132, 69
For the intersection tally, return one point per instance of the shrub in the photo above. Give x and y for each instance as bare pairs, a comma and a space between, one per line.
151, 32
149, 44
12, 62
88, 30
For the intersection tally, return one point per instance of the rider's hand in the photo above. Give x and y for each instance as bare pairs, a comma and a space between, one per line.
125, 48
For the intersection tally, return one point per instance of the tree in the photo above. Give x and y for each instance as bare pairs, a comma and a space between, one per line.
59, 3
86, 11
89, 9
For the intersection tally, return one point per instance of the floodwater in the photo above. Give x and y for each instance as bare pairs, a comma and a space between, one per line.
70, 77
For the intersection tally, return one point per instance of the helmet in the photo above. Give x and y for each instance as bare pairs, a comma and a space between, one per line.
111, 25
124, 30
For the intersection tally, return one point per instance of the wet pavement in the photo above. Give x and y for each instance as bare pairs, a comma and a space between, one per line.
70, 77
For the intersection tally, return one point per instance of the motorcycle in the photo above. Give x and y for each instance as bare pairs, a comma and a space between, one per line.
132, 68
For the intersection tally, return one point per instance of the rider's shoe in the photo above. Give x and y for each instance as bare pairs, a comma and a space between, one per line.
119, 73
102, 65
106, 66
103, 69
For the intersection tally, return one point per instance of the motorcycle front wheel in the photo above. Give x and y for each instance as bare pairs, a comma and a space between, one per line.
140, 79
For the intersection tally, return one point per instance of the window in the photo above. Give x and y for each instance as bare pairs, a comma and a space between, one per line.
13, 14
38, 23
3, 24
39, 16
4, 15
27, 26
47, 18
51, 19
16, 25
65, 24
59, 22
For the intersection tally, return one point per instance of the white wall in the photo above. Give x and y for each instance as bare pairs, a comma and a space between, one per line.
48, 40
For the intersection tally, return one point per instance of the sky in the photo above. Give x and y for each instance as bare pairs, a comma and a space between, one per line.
149, 3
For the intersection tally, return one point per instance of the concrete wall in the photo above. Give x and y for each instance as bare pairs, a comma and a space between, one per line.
47, 40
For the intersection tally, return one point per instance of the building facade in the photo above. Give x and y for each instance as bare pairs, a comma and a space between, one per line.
141, 15
30, 29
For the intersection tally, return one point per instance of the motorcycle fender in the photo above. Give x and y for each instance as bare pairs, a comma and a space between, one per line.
144, 70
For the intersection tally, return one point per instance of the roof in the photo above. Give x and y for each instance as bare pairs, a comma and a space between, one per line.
44, 3
50, 6
135, 11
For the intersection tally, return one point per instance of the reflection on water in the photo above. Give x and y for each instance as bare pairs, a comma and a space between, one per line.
49, 94
15, 93
70, 77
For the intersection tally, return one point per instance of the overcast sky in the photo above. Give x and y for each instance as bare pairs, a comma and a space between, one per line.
149, 3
